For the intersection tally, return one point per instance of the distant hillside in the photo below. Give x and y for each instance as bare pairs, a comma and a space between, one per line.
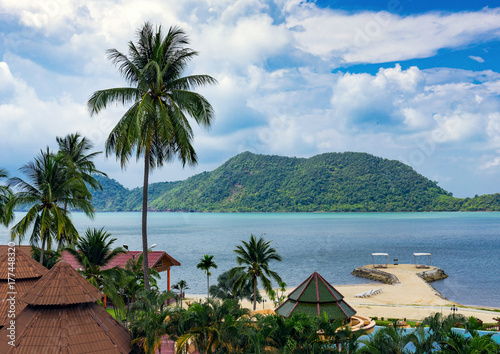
334, 182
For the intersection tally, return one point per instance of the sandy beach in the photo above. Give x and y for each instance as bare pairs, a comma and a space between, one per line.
413, 298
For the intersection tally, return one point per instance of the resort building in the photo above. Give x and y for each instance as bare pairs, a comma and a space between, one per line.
61, 316
160, 261
315, 296
18, 273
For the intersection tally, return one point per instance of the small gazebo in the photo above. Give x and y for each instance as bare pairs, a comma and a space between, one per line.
428, 255
316, 296
379, 265
18, 273
62, 316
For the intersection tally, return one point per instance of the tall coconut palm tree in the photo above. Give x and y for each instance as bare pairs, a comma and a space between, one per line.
253, 259
206, 263
47, 191
6, 215
156, 126
74, 150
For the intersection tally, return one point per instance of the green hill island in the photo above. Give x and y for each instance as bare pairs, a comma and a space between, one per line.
330, 182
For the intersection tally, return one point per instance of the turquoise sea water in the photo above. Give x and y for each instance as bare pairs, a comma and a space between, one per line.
465, 245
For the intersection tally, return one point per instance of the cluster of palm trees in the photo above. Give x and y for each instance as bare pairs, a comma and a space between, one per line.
253, 258
55, 183
123, 286
216, 326
436, 334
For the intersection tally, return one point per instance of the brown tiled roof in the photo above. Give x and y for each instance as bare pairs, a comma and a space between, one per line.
20, 288
25, 267
315, 296
121, 259
84, 328
25, 248
62, 285
26, 272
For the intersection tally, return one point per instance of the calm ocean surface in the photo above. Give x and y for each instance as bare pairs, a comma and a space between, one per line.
465, 245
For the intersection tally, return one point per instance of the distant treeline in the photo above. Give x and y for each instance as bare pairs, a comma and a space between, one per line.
331, 182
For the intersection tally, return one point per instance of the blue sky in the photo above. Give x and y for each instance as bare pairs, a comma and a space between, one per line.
415, 81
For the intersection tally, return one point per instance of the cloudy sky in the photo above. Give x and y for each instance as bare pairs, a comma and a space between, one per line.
401, 79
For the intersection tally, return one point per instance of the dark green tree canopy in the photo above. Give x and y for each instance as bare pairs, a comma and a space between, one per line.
205, 264
47, 194
75, 152
224, 289
162, 100
253, 258
6, 215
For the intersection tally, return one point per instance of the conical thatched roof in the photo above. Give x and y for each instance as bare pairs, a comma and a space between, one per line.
62, 285
62, 316
84, 328
25, 266
24, 273
314, 297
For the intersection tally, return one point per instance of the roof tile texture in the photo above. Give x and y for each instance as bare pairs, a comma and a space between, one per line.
20, 288
63, 285
314, 297
85, 328
121, 259
25, 267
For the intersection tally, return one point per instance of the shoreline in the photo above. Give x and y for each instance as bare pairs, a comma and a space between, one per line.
413, 298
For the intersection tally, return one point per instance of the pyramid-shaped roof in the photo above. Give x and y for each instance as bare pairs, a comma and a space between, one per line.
25, 272
83, 328
62, 285
62, 316
314, 297
25, 267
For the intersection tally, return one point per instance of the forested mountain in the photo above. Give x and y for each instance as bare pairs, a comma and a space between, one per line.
346, 181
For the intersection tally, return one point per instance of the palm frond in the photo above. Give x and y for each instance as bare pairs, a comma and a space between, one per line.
101, 99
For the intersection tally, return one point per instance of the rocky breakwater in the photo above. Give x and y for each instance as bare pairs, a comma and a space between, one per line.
433, 274
376, 274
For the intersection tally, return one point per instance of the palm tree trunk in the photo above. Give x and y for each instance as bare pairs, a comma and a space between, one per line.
255, 293
42, 250
145, 262
208, 286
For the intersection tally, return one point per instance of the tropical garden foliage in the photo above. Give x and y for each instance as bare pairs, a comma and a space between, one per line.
181, 285
225, 289
47, 193
205, 264
6, 195
435, 335
253, 258
215, 326
93, 252
147, 318
156, 126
